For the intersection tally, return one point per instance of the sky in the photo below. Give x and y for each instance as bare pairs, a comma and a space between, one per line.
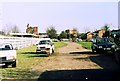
84, 16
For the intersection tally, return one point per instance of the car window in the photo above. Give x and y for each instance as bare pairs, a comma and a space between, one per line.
5, 47
101, 40
44, 42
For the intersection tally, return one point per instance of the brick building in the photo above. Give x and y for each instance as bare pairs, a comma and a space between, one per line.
32, 30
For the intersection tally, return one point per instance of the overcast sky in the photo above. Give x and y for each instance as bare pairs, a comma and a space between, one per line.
63, 15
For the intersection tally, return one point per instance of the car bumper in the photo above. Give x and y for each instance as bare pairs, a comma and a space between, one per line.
105, 49
43, 50
4, 61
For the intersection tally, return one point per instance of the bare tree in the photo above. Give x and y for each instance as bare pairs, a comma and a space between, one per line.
86, 29
8, 28
15, 29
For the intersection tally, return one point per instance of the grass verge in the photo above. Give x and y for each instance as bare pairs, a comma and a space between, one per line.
86, 45
27, 59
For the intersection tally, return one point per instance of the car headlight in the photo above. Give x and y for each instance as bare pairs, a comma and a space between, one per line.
113, 46
100, 47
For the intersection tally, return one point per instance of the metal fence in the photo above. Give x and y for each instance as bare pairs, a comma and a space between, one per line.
19, 42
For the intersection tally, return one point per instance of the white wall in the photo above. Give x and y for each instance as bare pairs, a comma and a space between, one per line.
19, 42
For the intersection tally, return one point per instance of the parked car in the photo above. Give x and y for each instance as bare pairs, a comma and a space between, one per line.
103, 45
117, 55
7, 55
55, 40
116, 37
45, 45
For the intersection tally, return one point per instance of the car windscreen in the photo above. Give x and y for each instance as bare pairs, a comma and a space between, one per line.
44, 42
5, 47
104, 40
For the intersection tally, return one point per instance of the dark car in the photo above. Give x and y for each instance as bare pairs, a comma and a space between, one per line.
117, 50
103, 45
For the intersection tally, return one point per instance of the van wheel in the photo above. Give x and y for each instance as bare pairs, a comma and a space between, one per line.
14, 64
5, 66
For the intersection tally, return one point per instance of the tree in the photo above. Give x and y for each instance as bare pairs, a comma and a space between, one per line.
86, 29
68, 33
83, 36
106, 27
63, 34
9, 28
107, 31
52, 32
15, 29
2, 33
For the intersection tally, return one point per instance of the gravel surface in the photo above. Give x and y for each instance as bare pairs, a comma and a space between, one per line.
74, 56
74, 63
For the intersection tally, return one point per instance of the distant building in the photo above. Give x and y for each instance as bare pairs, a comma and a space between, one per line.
89, 36
101, 32
98, 33
73, 32
23, 35
32, 30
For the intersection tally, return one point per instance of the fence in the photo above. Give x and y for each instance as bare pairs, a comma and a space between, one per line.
19, 42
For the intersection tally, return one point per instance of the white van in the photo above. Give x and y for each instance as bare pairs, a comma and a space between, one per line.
7, 55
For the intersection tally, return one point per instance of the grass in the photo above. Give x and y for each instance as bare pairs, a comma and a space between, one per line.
59, 44
86, 45
27, 59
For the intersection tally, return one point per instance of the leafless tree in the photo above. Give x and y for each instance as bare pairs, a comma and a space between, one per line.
86, 29
8, 28
15, 29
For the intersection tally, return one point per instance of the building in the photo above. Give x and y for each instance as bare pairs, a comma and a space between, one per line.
89, 36
32, 30
23, 35
73, 32
101, 32
98, 33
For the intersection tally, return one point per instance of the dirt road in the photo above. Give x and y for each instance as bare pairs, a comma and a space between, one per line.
74, 63
74, 56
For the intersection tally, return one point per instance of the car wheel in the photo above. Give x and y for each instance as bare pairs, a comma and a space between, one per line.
14, 64
93, 50
52, 51
48, 54
117, 57
98, 51
37, 52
